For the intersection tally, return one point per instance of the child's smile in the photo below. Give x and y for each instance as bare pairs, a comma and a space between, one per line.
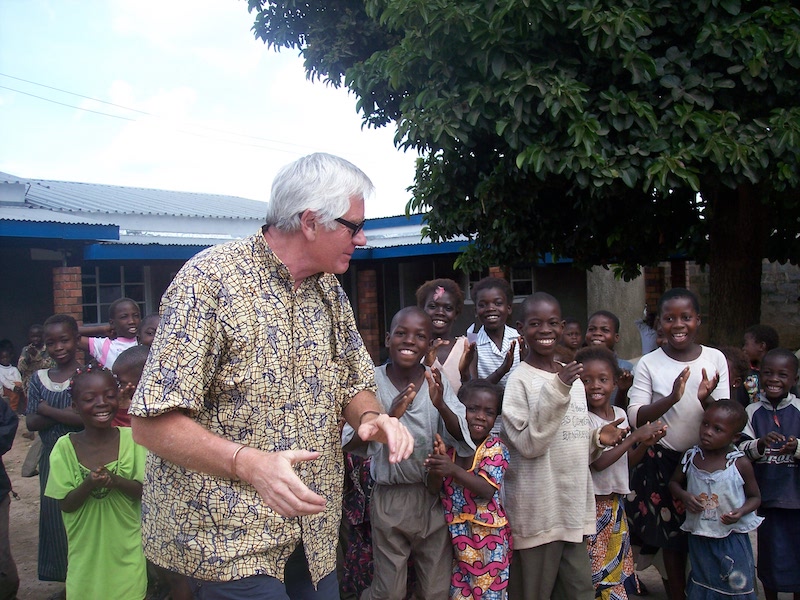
481, 414
542, 327
601, 331
598, 379
492, 308
679, 323
442, 311
777, 377
409, 339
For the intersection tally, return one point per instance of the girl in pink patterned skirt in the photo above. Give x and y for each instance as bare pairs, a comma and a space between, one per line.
470, 494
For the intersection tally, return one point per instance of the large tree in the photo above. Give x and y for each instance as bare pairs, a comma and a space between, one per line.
615, 133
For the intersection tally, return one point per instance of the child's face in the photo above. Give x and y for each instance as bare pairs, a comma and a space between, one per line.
754, 350
601, 331
126, 320
492, 308
127, 378
36, 337
542, 327
481, 413
148, 330
5, 357
571, 337
717, 430
441, 308
777, 377
60, 342
94, 398
599, 380
409, 339
679, 323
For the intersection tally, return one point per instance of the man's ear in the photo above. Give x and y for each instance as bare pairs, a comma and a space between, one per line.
308, 224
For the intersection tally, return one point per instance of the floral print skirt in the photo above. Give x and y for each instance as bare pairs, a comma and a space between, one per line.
655, 518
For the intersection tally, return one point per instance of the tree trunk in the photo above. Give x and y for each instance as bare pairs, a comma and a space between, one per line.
736, 246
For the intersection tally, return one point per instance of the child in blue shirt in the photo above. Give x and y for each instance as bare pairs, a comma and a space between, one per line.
773, 426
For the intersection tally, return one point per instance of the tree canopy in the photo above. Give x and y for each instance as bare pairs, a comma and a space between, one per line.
615, 133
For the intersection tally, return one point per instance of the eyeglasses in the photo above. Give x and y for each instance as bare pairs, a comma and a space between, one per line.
353, 227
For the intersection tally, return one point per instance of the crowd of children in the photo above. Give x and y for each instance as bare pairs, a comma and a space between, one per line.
541, 457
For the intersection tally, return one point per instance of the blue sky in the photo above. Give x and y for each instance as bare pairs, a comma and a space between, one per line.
223, 111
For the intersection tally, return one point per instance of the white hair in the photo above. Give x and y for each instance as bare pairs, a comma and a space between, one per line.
322, 183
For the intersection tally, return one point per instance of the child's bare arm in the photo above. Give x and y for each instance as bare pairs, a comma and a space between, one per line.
36, 422
77, 497
436, 391
692, 503
751, 492
442, 466
67, 416
129, 487
706, 387
609, 457
655, 410
657, 431
468, 364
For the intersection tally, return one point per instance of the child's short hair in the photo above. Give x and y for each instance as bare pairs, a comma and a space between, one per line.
764, 334
783, 353
84, 372
609, 315
737, 359
482, 385
416, 310
112, 308
62, 319
599, 353
571, 321
488, 283
536, 298
448, 285
132, 358
679, 292
735, 412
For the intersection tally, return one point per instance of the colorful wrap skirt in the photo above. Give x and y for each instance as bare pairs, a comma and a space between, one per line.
610, 550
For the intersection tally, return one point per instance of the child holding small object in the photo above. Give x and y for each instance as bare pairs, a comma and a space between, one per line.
610, 548
720, 496
470, 495
96, 477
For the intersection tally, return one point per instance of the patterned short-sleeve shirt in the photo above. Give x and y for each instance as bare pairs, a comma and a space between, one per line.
257, 362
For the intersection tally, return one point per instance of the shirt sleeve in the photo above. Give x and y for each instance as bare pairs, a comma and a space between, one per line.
34, 394
355, 365
531, 422
641, 392
493, 463
62, 479
185, 353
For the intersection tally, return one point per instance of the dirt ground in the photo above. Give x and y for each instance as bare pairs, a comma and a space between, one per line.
25, 532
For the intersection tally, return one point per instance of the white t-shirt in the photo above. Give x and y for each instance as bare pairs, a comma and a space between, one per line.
653, 379
106, 350
613, 479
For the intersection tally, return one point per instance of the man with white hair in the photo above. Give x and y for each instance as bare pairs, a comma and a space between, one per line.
256, 357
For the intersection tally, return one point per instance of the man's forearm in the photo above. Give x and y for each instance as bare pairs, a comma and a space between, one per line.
364, 401
176, 437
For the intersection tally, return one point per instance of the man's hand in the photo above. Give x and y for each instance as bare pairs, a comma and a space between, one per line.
273, 476
390, 431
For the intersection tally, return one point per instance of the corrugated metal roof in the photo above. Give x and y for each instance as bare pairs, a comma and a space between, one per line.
68, 196
9, 213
